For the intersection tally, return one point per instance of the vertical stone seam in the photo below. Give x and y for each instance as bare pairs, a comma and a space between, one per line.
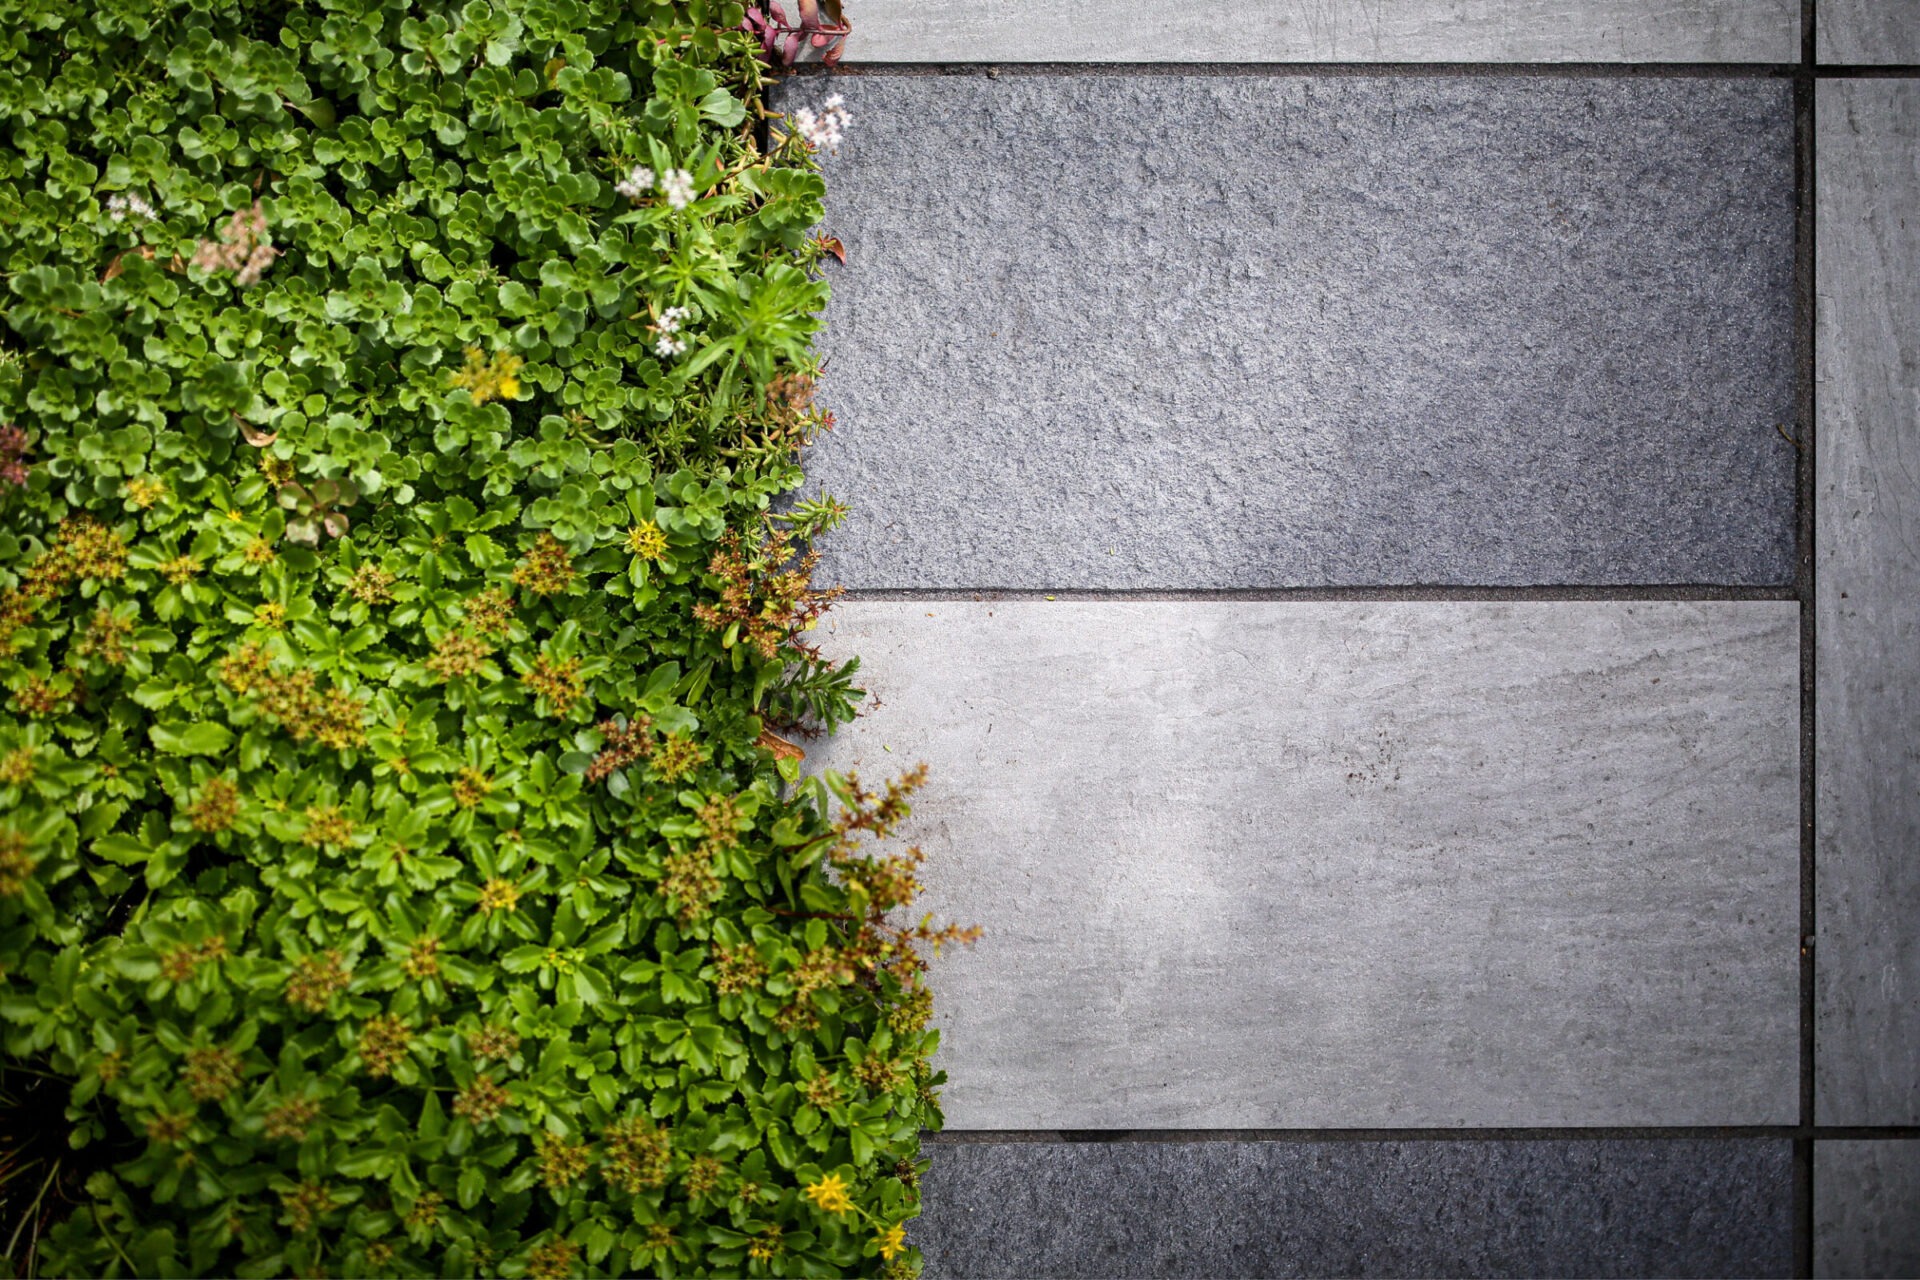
1806, 297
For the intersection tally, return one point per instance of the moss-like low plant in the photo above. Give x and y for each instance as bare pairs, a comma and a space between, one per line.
404, 864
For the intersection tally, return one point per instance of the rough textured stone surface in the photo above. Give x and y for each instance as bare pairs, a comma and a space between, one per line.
1263, 331
1866, 1209
1868, 31
1335, 865
1867, 504
1525, 1208
1328, 31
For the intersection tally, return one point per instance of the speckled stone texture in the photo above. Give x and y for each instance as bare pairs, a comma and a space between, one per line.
1334, 865
1328, 31
1867, 730
1274, 330
1875, 32
1866, 1209
1434, 1208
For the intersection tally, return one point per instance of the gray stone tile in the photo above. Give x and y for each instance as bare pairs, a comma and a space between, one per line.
1267, 331
1868, 31
1327, 31
1284, 865
1867, 576
1516, 1208
1866, 1209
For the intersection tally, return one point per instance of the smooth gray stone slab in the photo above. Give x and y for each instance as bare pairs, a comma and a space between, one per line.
1868, 31
1326, 31
1867, 577
1284, 865
1866, 1208
1449, 1208
1267, 331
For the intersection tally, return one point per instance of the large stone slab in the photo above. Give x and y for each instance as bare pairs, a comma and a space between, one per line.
1327, 31
1876, 32
1271, 331
1866, 1209
1284, 865
1670, 1207
1867, 574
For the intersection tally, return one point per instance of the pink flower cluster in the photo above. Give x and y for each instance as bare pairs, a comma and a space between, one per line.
243, 247
13, 454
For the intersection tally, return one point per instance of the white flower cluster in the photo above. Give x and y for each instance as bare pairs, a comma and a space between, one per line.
675, 184
827, 127
637, 183
670, 322
122, 207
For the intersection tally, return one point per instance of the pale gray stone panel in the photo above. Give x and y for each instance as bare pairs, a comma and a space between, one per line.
1866, 1209
1326, 31
1185, 331
1460, 1207
1874, 32
1279, 865
1867, 503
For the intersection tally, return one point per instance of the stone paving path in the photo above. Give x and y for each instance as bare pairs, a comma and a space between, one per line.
1407, 572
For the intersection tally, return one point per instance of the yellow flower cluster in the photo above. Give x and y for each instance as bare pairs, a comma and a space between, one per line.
315, 980
292, 1119
489, 379
481, 1101
384, 1041
830, 1194
646, 540
211, 1074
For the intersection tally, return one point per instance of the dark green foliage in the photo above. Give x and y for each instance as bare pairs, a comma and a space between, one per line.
402, 870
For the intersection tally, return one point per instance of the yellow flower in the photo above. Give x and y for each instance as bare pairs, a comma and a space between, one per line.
830, 1193
892, 1242
495, 378
646, 541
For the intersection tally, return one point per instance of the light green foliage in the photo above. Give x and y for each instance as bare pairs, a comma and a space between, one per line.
398, 852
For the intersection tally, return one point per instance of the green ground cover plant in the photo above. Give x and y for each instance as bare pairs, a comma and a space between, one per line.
405, 866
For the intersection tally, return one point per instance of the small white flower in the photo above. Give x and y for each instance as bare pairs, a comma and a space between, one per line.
672, 318
669, 346
677, 186
825, 128
122, 207
637, 183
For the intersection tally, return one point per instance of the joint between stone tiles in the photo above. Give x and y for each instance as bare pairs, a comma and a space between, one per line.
1866, 71
1454, 70
1312, 595
1597, 1133
1805, 283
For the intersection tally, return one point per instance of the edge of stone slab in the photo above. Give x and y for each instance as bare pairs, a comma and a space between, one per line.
1358, 31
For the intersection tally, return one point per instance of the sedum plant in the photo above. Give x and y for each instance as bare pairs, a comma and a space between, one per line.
438, 892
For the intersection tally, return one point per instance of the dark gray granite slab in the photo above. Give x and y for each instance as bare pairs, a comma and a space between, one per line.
1869, 31
1350, 865
1866, 1209
1867, 630
1660, 1207
1326, 31
1272, 330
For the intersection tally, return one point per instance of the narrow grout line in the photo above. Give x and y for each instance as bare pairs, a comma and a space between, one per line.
1596, 1133
1589, 70
1805, 93
1309, 595
1865, 71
